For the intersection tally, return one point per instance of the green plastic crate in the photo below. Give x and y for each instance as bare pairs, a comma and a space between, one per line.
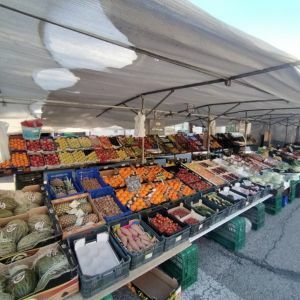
231, 235
273, 205
233, 230
257, 226
183, 266
108, 297
228, 244
256, 215
293, 190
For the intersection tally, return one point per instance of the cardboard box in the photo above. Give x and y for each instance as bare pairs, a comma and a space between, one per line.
157, 285
78, 229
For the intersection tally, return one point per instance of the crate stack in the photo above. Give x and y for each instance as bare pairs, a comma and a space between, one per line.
256, 215
274, 204
183, 266
293, 190
231, 235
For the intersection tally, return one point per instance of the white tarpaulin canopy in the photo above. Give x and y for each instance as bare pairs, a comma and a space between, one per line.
73, 56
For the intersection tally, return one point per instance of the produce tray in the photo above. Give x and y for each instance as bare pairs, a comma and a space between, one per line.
89, 173
205, 223
170, 240
109, 191
85, 228
175, 170
222, 211
195, 228
139, 258
23, 180
48, 176
236, 205
91, 285
57, 233
55, 282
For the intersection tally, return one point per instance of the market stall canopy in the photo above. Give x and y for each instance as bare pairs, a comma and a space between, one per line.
76, 58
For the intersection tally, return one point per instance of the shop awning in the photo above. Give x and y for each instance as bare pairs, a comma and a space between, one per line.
75, 58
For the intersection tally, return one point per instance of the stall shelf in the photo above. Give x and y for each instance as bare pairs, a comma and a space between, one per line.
166, 255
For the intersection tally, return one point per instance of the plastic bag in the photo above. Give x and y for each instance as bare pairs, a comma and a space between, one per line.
4, 150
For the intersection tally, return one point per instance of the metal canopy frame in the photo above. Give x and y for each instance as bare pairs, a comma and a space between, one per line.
227, 82
220, 78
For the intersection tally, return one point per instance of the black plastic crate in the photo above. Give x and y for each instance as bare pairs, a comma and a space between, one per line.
223, 211
91, 285
205, 223
34, 178
170, 240
142, 257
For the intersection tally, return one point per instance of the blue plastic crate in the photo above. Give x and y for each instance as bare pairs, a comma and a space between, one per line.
285, 200
109, 191
61, 175
88, 173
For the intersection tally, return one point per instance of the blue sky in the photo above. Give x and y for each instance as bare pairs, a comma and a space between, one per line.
276, 22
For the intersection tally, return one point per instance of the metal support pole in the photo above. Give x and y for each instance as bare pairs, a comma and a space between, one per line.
246, 128
269, 133
286, 131
208, 132
143, 138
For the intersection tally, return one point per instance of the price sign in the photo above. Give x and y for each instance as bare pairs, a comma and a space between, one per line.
160, 176
133, 183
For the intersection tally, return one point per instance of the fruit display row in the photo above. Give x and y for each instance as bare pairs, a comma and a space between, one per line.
14, 203
107, 206
205, 173
25, 232
217, 200
133, 237
76, 214
192, 180
151, 194
62, 186
17, 143
83, 212
164, 224
30, 277
145, 173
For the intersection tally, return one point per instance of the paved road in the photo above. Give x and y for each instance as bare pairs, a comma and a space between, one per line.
267, 268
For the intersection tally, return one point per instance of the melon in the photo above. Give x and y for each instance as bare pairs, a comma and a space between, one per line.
7, 246
31, 240
39, 222
22, 281
6, 296
8, 203
5, 213
15, 230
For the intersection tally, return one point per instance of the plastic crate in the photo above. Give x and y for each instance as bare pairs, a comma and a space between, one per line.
293, 190
89, 173
108, 297
205, 223
284, 200
91, 285
228, 244
234, 230
139, 258
61, 175
23, 180
256, 215
184, 266
109, 191
273, 205
170, 240
222, 211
